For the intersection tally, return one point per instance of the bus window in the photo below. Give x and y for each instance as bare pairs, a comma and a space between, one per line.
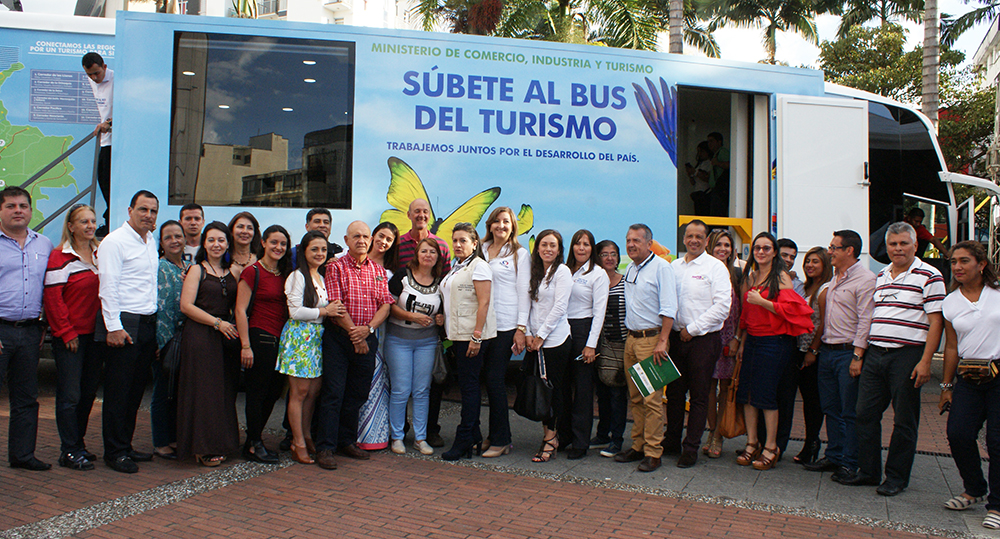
261, 121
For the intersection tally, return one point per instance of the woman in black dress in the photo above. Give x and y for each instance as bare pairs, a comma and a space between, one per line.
207, 427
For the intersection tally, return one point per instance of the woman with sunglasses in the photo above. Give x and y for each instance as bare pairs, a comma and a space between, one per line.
972, 316
207, 427
71, 307
772, 316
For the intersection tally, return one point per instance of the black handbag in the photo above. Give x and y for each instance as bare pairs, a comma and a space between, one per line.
534, 391
439, 374
170, 356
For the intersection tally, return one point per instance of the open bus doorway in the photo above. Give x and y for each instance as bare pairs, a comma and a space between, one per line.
717, 161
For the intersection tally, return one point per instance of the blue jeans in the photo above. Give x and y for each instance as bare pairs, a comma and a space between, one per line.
971, 405
78, 375
838, 396
410, 364
19, 367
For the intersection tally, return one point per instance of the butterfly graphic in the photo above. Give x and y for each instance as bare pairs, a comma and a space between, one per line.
405, 187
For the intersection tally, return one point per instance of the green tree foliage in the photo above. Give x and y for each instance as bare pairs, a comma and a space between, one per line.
873, 59
771, 16
859, 12
965, 130
953, 27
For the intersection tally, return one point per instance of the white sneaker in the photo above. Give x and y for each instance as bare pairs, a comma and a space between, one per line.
422, 446
398, 447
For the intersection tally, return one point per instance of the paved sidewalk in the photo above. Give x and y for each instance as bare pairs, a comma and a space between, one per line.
414, 496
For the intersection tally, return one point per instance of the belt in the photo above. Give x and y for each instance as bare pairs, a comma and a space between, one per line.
885, 349
21, 323
147, 318
841, 346
644, 333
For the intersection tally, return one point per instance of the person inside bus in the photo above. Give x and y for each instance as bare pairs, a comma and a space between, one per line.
719, 181
915, 218
699, 175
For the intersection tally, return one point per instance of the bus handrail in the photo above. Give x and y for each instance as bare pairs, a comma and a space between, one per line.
91, 189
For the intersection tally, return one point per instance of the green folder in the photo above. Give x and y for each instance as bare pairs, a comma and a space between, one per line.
649, 377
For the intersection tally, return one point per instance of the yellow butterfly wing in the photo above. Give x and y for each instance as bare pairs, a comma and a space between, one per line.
525, 219
404, 187
471, 212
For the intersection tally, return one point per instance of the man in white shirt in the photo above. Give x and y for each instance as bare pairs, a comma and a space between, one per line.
650, 307
102, 84
192, 218
128, 324
704, 296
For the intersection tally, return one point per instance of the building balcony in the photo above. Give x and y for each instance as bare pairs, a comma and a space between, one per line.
337, 6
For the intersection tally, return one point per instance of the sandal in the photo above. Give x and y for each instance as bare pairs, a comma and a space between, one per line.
705, 448
750, 454
301, 455
210, 461
992, 521
763, 463
715, 447
548, 450
961, 503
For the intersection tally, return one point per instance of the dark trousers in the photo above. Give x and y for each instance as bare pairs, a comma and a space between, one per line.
577, 415
126, 372
496, 357
347, 378
794, 380
557, 360
263, 384
885, 379
469, 368
19, 365
695, 360
104, 177
78, 375
162, 407
971, 405
838, 397
612, 405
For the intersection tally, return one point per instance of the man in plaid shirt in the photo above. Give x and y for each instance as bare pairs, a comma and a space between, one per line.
349, 345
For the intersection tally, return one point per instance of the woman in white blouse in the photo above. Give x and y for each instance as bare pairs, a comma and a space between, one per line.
300, 353
587, 303
511, 265
471, 323
972, 315
548, 326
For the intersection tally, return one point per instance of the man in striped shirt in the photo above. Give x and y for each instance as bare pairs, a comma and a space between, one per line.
419, 214
905, 333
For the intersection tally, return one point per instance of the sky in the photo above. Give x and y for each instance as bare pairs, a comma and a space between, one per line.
742, 44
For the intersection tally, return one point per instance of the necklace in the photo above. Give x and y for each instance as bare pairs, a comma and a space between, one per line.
245, 263
274, 271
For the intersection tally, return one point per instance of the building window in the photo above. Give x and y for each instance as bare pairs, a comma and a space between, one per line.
250, 135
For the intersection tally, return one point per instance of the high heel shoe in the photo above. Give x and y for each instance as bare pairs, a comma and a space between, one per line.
462, 450
497, 450
809, 453
301, 455
547, 451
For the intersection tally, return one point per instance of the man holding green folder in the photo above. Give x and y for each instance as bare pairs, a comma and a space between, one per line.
650, 307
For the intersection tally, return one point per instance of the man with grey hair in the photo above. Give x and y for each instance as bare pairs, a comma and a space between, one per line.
650, 308
905, 333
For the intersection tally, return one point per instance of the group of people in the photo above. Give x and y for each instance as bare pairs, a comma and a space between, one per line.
357, 337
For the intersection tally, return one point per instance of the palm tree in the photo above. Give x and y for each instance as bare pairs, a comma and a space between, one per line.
694, 31
858, 12
953, 27
931, 62
771, 15
676, 22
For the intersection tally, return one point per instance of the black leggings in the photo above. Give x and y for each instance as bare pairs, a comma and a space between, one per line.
263, 384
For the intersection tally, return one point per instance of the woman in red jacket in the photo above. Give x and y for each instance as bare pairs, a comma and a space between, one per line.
71, 307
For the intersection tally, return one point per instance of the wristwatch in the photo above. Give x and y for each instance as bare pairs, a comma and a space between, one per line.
855, 357
947, 386
370, 329
814, 351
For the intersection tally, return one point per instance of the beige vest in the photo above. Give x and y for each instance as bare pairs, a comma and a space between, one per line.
463, 305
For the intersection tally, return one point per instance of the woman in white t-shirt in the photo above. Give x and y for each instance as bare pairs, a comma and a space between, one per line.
588, 301
470, 322
548, 327
511, 265
972, 316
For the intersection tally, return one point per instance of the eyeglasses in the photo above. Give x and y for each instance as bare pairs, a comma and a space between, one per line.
608, 255
834, 247
762, 248
631, 277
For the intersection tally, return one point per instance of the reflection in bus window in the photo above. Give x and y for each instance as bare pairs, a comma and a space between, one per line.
261, 121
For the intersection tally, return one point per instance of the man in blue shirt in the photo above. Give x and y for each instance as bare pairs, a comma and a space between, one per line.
650, 308
24, 255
